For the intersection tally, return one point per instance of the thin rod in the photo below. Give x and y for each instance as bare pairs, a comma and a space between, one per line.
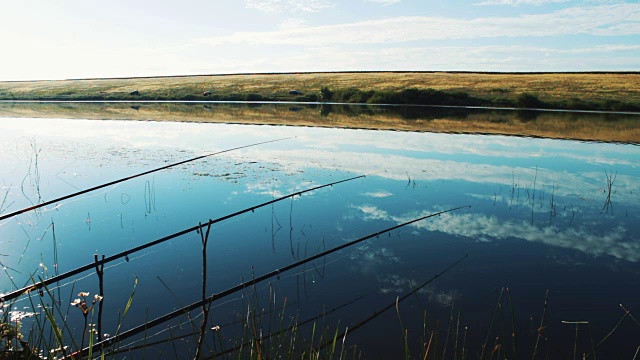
124, 254
153, 323
18, 212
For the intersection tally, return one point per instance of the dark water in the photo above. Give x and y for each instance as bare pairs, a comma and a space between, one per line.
556, 215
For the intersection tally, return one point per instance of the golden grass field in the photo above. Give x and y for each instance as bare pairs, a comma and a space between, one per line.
548, 87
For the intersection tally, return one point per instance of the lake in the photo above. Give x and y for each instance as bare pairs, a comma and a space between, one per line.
539, 227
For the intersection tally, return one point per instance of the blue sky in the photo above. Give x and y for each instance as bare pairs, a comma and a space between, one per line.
45, 39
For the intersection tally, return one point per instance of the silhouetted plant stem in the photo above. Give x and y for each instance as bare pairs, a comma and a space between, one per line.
495, 310
542, 326
630, 314
593, 347
513, 326
455, 346
426, 352
611, 178
4, 200
446, 342
626, 313
464, 343
205, 307
403, 331
84, 332
100, 272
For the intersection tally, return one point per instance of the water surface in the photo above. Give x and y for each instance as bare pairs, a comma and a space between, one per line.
545, 214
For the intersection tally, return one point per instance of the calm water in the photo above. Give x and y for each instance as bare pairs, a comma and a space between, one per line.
541, 217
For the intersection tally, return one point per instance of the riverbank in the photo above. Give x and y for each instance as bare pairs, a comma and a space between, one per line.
574, 91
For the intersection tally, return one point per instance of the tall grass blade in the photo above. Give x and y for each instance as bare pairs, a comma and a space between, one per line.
495, 310
403, 331
542, 326
513, 327
426, 352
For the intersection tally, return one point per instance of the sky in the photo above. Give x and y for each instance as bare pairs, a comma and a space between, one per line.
67, 39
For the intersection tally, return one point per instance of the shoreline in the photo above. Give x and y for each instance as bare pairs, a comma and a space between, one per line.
584, 91
314, 103
584, 126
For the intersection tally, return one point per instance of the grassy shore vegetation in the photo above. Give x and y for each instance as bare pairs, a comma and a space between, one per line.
557, 125
575, 91
270, 332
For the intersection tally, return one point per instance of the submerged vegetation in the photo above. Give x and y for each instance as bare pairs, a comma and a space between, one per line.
574, 91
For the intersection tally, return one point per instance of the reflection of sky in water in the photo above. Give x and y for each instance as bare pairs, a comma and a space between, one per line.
538, 218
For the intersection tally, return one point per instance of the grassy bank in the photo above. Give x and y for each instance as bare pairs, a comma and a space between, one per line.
580, 91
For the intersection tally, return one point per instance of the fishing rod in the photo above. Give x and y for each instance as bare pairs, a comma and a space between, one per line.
308, 320
395, 303
356, 326
18, 212
153, 323
125, 254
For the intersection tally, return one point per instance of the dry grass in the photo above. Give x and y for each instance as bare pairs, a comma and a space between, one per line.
592, 127
548, 87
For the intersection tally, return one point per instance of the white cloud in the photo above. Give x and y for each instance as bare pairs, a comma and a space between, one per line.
369, 258
606, 1
613, 243
606, 20
482, 227
373, 213
396, 284
378, 194
444, 58
519, 2
292, 23
277, 6
596, 49
384, 2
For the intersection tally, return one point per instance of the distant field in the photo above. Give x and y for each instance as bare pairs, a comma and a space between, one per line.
590, 91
